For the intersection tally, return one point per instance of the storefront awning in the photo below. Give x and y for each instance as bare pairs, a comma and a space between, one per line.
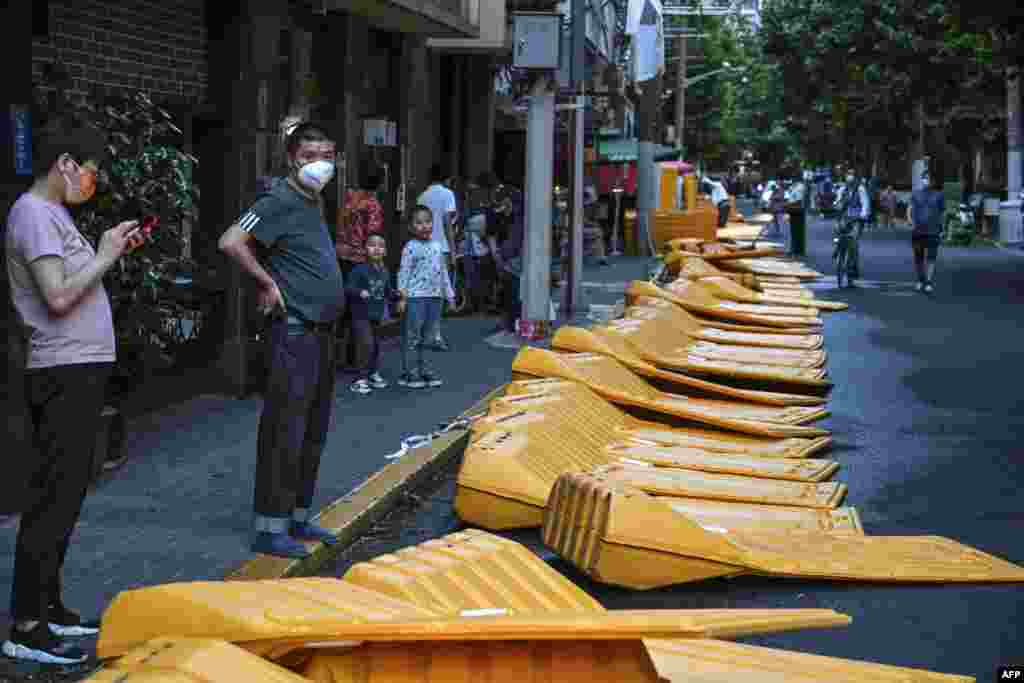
425, 17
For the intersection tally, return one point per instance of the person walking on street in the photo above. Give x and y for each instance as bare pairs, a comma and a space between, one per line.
887, 206
444, 210
507, 242
369, 292
362, 216
797, 209
927, 209
65, 318
301, 291
720, 198
423, 282
777, 206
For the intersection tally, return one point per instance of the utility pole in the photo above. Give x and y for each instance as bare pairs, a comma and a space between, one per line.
1011, 230
537, 252
646, 182
680, 93
571, 294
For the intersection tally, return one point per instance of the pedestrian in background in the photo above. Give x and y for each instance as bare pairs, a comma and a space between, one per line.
796, 207
507, 243
926, 213
64, 315
362, 216
777, 207
369, 291
476, 255
720, 198
423, 282
444, 210
887, 205
302, 293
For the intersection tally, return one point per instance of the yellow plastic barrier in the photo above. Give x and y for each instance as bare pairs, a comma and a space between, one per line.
708, 307
241, 611
623, 536
686, 483
581, 340
616, 383
649, 308
512, 662
187, 660
713, 250
471, 570
703, 301
647, 339
606, 423
577, 430
677, 661
772, 267
707, 661
724, 289
684, 346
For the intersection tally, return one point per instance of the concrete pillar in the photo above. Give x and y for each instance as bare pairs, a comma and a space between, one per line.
249, 53
1010, 227
646, 177
539, 171
456, 125
681, 94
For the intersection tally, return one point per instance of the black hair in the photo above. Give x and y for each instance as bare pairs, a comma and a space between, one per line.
372, 178
305, 132
487, 179
437, 174
417, 209
65, 135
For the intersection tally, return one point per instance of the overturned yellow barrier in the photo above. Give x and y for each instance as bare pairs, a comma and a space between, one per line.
650, 308
724, 289
696, 268
728, 487
435, 581
770, 267
702, 300
616, 383
568, 661
516, 453
692, 661
577, 339
187, 660
620, 535
716, 250
647, 339
719, 314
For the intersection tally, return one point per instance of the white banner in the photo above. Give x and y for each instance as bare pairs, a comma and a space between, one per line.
644, 25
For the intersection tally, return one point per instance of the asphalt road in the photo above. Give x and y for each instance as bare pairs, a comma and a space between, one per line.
927, 421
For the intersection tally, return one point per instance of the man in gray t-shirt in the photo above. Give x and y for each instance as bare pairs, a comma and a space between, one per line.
64, 316
282, 241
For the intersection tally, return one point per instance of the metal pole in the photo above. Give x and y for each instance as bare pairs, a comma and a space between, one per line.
537, 254
577, 81
681, 94
646, 185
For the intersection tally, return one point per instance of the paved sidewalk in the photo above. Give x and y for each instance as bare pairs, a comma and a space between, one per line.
180, 508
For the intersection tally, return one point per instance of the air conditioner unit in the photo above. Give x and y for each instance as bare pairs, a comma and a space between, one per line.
380, 133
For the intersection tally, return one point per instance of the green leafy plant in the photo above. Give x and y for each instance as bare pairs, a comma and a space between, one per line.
147, 173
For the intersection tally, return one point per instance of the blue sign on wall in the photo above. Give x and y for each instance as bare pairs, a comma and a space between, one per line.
21, 127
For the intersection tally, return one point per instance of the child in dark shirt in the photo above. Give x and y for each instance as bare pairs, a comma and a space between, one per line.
369, 290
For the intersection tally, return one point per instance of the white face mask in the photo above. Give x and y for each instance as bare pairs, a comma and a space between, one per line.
316, 175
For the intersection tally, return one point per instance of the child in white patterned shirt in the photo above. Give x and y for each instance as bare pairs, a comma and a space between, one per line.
423, 282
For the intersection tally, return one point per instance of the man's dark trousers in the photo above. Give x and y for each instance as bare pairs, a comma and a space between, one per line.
64, 404
294, 423
723, 213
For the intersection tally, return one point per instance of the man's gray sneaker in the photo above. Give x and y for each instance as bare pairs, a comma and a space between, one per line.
411, 381
40, 645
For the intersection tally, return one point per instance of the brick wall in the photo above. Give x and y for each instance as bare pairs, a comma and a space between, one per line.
158, 46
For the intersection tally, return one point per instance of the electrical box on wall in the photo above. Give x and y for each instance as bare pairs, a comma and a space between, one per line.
536, 40
380, 133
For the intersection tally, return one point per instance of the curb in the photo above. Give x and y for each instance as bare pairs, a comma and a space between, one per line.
355, 513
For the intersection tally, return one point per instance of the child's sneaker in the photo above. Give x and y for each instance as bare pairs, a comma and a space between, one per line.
412, 381
360, 386
431, 379
919, 286
378, 382
928, 289
40, 645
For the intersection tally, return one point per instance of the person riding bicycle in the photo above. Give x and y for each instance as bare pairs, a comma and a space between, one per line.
854, 215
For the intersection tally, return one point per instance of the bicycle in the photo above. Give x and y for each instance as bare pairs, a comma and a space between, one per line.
845, 252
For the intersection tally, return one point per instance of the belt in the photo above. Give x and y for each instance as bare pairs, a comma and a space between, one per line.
310, 325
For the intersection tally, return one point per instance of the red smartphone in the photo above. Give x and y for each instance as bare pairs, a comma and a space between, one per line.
144, 229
